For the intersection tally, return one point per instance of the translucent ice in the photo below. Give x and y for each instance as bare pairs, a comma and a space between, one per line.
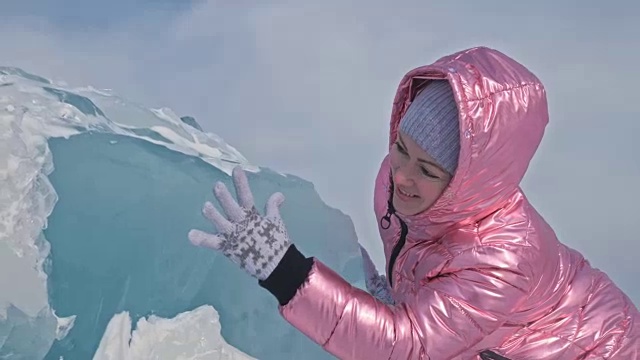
97, 197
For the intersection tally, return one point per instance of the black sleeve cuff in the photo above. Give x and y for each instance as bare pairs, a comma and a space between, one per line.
288, 276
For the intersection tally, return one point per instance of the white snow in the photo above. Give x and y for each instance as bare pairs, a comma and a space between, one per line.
190, 335
64, 325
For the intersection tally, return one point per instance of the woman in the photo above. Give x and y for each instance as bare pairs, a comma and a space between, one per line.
474, 272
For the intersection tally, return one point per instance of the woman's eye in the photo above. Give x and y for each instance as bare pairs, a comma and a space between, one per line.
426, 172
401, 149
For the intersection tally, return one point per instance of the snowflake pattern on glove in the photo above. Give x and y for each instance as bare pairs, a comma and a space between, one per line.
255, 242
376, 284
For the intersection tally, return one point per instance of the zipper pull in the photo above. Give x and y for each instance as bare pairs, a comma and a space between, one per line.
385, 221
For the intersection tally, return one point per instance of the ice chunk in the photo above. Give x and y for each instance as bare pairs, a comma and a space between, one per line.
118, 243
7, 70
190, 120
26, 337
27, 323
102, 239
79, 102
64, 325
193, 335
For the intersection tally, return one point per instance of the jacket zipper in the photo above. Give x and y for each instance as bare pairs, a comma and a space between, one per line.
396, 250
490, 355
385, 222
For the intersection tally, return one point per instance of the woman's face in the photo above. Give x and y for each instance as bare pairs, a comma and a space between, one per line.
418, 179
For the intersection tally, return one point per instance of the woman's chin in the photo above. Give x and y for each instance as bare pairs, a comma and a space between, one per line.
406, 207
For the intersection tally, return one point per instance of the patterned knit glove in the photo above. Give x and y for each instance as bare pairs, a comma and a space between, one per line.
376, 284
256, 243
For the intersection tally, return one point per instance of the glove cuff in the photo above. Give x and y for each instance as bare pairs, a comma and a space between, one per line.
288, 276
271, 265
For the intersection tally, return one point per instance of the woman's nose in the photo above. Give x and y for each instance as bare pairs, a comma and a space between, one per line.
400, 176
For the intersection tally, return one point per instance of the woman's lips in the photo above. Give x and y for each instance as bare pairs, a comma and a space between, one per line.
405, 195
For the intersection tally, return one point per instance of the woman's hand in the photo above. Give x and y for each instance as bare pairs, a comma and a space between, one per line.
376, 284
256, 243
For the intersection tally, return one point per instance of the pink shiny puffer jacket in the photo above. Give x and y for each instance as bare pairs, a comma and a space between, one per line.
481, 269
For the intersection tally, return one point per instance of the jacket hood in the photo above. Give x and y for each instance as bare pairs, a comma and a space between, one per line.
503, 114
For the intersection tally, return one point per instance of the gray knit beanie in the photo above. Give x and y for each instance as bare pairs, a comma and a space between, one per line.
432, 122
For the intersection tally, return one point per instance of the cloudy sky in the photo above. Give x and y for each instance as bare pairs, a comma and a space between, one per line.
306, 88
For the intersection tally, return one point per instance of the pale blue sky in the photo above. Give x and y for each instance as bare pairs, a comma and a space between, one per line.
75, 15
306, 87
